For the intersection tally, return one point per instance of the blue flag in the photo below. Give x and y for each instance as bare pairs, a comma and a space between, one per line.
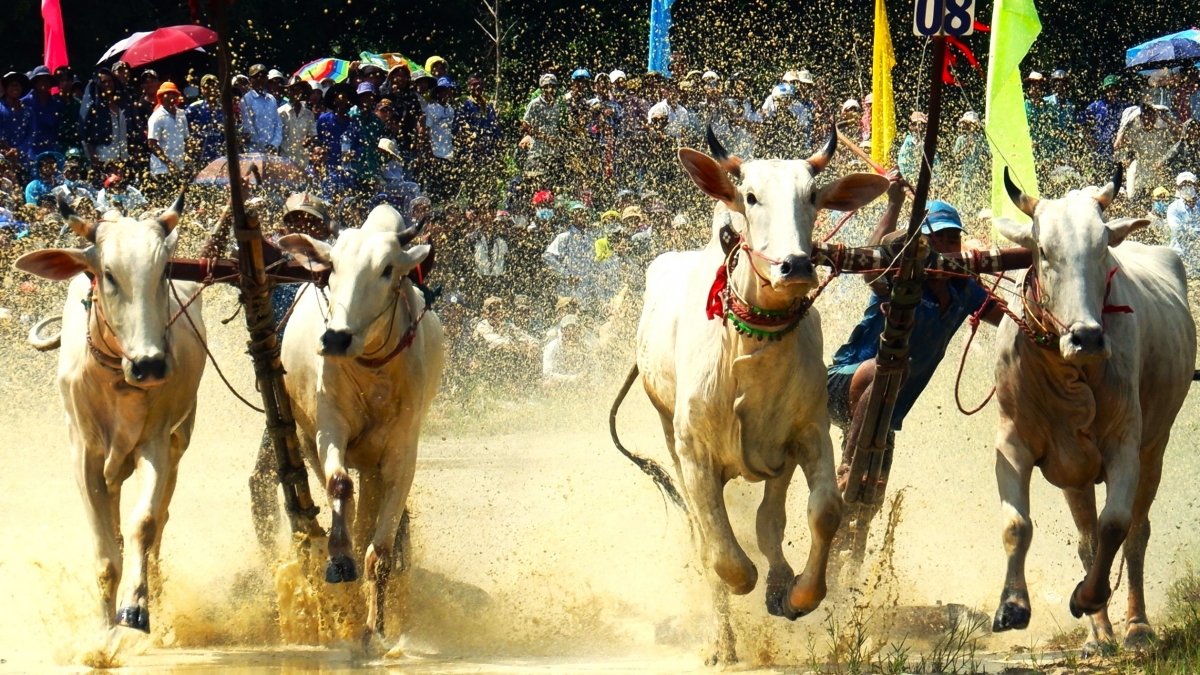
660, 38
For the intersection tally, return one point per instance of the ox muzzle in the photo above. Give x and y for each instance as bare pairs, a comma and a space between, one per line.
1084, 342
145, 372
794, 269
336, 342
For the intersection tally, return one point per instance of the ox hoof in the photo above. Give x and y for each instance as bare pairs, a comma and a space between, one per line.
779, 587
340, 569
1010, 616
1138, 637
1078, 609
137, 618
1098, 648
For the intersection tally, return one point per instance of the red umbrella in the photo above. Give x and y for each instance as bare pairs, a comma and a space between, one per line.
166, 42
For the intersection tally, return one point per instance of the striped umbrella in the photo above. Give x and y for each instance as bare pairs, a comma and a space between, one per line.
322, 69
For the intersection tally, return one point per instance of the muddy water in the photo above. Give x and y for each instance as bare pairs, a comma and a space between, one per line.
538, 548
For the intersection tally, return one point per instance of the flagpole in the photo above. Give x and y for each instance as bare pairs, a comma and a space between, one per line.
871, 463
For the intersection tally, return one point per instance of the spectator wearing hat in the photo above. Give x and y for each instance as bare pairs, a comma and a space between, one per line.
68, 126
369, 128
1102, 121
337, 132
1146, 138
1183, 220
489, 246
908, 157
945, 304
408, 113
1161, 197
48, 165
477, 133
571, 255
298, 123
46, 109
567, 359
541, 125
437, 67
260, 114
118, 195
276, 82
671, 109
1048, 126
442, 177
971, 154
206, 121
167, 133
16, 119
786, 125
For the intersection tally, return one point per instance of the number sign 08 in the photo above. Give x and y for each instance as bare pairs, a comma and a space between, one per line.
952, 17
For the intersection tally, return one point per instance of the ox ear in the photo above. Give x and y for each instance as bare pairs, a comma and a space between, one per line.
55, 264
851, 192
311, 253
415, 255
709, 176
1120, 228
1021, 235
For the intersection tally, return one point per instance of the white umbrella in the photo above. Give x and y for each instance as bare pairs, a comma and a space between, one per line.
121, 46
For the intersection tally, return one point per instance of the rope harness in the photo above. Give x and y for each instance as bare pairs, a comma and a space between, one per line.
749, 320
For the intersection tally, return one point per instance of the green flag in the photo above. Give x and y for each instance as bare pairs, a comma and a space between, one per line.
1015, 25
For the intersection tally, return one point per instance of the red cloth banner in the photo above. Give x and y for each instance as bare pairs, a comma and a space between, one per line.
55, 54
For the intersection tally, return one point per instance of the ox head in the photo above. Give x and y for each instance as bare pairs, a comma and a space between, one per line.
366, 267
127, 262
779, 200
1070, 240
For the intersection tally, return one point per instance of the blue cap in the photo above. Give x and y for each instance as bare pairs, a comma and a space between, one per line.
783, 89
445, 82
364, 87
941, 216
581, 72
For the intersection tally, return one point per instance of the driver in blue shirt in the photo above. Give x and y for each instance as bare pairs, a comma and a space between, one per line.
945, 304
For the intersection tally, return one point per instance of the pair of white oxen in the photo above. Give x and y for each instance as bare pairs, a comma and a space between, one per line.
1098, 407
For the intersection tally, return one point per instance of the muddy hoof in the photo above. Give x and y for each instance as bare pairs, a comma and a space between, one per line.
1078, 609
137, 618
1098, 648
1010, 616
340, 569
1138, 637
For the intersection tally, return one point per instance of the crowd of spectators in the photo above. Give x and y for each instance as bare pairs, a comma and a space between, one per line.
543, 225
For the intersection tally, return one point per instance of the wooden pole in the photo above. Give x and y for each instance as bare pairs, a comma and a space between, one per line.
256, 301
871, 463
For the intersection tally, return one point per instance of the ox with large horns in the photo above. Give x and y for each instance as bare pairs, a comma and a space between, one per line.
734, 368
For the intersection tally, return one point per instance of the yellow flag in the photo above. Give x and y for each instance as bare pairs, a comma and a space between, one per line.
1015, 26
883, 102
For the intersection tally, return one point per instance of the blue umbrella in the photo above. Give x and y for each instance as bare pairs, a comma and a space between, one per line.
1181, 46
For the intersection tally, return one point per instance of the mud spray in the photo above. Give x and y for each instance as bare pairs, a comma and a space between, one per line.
535, 544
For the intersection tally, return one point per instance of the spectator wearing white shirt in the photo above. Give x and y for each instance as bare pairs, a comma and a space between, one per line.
260, 114
1183, 219
677, 116
571, 256
167, 132
566, 359
1148, 134
299, 123
439, 118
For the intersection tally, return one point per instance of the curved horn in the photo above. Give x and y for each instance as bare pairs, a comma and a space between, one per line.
731, 164
407, 236
821, 159
79, 226
1023, 201
1110, 191
170, 218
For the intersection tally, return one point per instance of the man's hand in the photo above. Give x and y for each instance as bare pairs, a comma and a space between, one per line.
896, 190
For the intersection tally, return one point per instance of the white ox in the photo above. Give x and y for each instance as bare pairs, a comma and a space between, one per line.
734, 404
128, 379
362, 371
1097, 402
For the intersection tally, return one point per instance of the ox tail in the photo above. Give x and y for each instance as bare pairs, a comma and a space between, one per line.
648, 466
45, 344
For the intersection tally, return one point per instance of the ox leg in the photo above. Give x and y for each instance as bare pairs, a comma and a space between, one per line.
824, 516
1082, 503
154, 468
1013, 470
770, 526
397, 481
1138, 633
1092, 594
706, 486
103, 512
340, 488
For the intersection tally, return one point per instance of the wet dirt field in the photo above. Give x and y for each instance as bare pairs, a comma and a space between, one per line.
538, 548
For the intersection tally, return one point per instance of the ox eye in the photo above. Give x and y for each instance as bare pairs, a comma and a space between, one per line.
387, 272
108, 279
751, 199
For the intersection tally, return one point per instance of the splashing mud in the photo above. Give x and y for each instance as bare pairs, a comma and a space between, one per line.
536, 546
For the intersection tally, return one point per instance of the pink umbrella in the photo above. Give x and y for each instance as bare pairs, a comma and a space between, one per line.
166, 42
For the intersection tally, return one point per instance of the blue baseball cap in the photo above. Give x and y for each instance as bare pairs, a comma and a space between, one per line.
581, 72
941, 216
445, 82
